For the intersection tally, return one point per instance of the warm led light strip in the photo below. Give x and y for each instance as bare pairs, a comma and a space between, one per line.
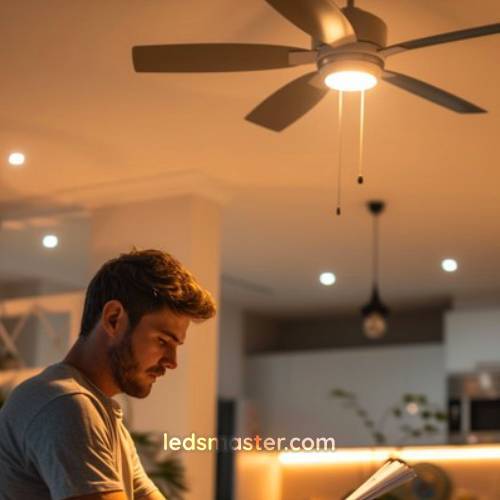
367, 455
334, 457
451, 453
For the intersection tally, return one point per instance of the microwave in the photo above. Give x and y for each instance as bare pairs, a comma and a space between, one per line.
474, 407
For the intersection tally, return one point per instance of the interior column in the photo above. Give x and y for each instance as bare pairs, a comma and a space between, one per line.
184, 401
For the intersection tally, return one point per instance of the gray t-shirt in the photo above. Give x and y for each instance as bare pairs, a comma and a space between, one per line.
60, 436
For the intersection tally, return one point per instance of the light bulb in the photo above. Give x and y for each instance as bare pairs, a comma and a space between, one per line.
449, 265
327, 279
16, 159
50, 241
374, 325
350, 81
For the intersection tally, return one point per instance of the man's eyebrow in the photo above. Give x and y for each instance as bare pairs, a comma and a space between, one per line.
168, 333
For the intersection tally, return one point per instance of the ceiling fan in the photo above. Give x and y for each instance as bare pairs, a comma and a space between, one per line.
348, 48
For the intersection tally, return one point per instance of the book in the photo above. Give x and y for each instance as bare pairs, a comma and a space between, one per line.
392, 474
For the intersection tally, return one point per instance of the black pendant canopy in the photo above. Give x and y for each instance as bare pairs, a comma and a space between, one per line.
375, 305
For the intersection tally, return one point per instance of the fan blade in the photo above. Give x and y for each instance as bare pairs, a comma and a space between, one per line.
212, 57
452, 36
321, 19
431, 93
287, 104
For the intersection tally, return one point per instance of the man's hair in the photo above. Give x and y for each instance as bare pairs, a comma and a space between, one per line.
145, 281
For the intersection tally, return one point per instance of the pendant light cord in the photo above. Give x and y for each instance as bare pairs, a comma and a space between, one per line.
375, 250
361, 137
339, 166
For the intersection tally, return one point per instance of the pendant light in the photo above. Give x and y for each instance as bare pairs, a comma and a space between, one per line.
375, 312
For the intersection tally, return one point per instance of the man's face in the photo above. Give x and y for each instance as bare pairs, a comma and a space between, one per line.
145, 353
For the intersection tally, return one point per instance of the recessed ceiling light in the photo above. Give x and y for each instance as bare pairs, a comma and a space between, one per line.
50, 241
16, 159
327, 279
449, 265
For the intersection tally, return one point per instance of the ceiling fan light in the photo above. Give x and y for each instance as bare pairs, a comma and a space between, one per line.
350, 81
351, 72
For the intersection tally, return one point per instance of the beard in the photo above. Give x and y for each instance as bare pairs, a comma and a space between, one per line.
126, 370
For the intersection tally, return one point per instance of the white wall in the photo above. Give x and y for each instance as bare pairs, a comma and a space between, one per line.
472, 336
292, 390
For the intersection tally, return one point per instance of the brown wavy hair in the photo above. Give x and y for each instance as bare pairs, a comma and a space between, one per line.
145, 281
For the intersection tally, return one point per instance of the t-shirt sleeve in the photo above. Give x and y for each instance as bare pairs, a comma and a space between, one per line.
143, 485
71, 445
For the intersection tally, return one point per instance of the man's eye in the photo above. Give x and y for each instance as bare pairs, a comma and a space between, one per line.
161, 341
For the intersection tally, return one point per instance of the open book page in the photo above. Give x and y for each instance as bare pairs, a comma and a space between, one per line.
392, 474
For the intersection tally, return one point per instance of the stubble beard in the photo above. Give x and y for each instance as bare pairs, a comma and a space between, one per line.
125, 368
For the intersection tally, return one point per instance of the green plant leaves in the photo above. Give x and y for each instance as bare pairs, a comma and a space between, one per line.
340, 393
169, 471
425, 421
397, 412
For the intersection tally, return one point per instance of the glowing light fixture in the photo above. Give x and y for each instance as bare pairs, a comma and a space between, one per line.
327, 278
50, 241
334, 457
17, 159
351, 81
451, 453
412, 408
449, 265
411, 454
375, 312
353, 73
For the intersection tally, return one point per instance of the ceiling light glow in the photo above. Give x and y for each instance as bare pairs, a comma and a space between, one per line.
327, 279
16, 159
50, 241
351, 81
449, 265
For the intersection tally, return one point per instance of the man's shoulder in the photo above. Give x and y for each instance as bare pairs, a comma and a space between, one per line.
51, 383
69, 413
49, 390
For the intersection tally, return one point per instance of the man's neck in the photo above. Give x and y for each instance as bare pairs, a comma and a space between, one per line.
91, 360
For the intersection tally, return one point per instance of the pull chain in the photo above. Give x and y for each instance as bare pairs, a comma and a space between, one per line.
339, 167
361, 137
375, 250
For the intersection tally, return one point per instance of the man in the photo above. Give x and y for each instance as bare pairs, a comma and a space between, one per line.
61, 433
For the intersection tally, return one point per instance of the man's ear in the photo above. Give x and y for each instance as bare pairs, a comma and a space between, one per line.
114, 318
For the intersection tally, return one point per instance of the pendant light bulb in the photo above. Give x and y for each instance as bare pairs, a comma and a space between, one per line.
374, 317
374, 325
375, 312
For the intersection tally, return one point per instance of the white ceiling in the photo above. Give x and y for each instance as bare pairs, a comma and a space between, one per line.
71, 101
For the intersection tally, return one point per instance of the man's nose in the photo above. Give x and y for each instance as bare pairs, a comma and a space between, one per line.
171, 364
170, 359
